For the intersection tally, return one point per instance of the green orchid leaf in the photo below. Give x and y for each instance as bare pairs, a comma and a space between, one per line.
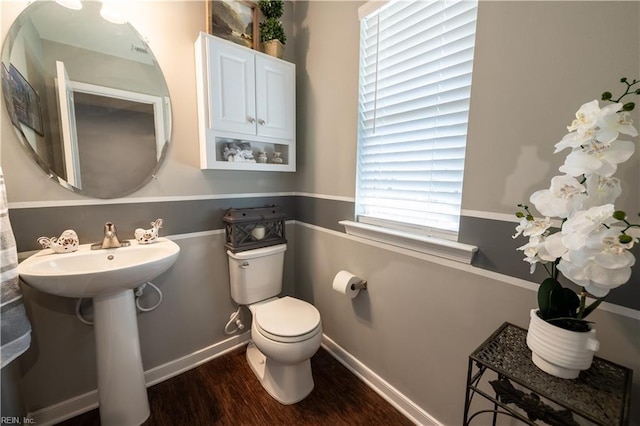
572, 302
558, 303
550, 295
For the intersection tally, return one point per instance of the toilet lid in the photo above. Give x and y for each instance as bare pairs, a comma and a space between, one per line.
286, 319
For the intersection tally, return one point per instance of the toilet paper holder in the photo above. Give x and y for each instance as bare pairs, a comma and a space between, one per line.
362, 285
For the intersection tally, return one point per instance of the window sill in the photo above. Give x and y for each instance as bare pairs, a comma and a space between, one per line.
452, 250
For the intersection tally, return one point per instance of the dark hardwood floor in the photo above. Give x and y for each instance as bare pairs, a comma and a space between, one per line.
225, 391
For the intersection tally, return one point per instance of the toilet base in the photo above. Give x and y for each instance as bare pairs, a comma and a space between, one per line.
286, 383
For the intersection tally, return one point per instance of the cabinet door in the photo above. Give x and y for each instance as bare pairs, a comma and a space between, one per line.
275, 98
231, 88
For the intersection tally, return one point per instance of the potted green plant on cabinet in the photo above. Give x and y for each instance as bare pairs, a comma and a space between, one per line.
272, 33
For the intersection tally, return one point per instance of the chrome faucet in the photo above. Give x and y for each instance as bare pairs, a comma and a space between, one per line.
110, 239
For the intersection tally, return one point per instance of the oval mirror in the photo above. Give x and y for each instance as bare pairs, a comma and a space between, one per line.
86, 97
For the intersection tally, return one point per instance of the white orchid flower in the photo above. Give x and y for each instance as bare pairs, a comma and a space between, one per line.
611, 253
574, 140
603, 263
586, 116
573, 270
520, 228
554, 248
601, 190
605, 280
543, 248
589, 114
598, 158
582, 274
610, 126
577, 228
537, 227
564, 197
594, 124
530, 228
531, 251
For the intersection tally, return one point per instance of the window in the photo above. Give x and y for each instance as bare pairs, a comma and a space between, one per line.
416, 60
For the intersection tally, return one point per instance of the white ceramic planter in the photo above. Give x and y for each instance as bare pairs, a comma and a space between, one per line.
559, 352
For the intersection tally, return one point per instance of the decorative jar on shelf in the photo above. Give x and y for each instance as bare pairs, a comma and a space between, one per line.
277, 159
258, 232
262, 157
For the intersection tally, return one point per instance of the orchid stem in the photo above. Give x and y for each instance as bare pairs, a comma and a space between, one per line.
583, 302
627, 92
548, 271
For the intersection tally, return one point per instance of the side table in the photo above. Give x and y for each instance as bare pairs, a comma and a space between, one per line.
601, 395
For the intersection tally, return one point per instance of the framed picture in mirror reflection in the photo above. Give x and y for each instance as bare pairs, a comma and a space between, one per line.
6, 94
236, 21
25, 100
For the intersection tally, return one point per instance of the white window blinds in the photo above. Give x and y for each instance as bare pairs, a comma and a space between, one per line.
416, 60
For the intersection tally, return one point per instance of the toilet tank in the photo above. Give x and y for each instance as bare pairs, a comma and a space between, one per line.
256, 275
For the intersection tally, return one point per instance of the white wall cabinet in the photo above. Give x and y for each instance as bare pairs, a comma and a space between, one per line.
245, 99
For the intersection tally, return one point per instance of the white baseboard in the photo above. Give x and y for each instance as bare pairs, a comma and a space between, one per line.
403, 404
88, 401
178, 366
66, 409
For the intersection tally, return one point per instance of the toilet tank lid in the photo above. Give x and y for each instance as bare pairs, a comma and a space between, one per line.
264, 251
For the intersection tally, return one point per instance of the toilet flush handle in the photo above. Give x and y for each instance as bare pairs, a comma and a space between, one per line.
244, 265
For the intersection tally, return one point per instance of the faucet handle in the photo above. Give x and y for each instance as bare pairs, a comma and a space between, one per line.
110, 239
109, 228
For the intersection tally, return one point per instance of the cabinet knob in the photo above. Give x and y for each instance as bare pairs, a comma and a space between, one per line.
261, 122
251, 120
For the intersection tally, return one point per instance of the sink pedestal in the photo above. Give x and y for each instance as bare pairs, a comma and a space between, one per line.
122, 391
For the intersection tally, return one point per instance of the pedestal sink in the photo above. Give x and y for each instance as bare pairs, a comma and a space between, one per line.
108, 277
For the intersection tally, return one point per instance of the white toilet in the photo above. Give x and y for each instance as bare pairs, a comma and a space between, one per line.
285, 332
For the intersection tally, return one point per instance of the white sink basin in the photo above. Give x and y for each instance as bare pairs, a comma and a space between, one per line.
90, 273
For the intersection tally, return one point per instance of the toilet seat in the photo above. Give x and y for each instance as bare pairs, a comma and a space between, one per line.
287, 320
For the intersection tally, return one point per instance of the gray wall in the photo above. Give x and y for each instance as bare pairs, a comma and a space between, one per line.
535, 64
